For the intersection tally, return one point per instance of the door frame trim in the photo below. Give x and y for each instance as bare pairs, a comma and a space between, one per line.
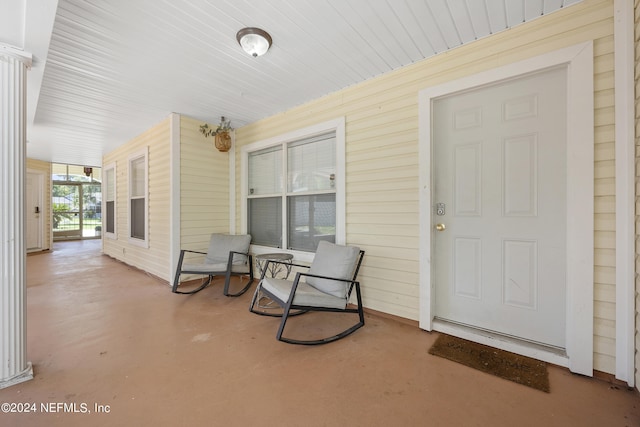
40, 175
580, 170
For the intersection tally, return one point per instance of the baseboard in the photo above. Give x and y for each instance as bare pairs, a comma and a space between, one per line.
38, 252
153, 276
399, 319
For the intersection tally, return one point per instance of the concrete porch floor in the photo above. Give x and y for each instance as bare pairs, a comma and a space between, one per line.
103, 333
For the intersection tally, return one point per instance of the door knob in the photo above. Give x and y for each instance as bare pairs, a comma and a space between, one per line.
440, 227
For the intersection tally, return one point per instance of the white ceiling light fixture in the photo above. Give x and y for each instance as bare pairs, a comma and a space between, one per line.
254, 41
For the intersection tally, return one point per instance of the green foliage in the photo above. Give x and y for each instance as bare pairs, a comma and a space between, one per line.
224, 126
62, 190
60, 213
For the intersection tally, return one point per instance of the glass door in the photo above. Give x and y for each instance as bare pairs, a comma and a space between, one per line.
91, 210
67, 206
77, 202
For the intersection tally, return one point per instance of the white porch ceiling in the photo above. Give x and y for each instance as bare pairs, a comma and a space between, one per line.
114, 68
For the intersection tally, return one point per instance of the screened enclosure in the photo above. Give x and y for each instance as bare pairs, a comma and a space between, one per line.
76, 202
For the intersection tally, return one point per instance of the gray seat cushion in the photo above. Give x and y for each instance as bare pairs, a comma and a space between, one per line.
333, 261
221, 244
305, 294
215, 268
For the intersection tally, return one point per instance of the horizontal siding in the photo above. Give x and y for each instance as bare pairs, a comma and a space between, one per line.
204, 187
155, 258
381, 114
604, 192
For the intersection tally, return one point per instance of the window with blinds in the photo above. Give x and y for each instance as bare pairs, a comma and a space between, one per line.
291, 195
138, 186
109, 185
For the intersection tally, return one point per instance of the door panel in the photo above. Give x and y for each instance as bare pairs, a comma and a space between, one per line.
520, 189
467, 179
467, 264
499, 168
34, 226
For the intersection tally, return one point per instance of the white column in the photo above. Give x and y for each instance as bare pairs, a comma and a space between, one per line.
14, 367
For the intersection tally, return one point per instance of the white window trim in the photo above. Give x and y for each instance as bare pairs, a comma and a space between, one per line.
337, 125
113, 235
132, 240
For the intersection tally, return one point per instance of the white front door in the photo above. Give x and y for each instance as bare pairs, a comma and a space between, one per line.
35, 182
499, 165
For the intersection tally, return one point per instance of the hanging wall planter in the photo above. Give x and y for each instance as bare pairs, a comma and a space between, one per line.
221, 134
223, 141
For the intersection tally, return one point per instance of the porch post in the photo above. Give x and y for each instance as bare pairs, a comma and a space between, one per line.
14, 367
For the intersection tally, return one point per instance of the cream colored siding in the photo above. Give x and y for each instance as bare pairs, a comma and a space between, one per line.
160, 201
604, 205
204, 187
153, 259
45, 169
204, 196
381, 114
637, 136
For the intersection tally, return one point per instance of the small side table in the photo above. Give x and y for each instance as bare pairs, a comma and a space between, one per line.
283, 265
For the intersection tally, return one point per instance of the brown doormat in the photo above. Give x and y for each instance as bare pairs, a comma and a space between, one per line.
503, 364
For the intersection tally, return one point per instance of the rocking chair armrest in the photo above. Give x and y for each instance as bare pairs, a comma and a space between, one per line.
299, 274
239, 253
329, 278
234, 253
181, 257
182, 251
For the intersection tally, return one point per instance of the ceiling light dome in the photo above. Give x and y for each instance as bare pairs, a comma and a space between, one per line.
254, 41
